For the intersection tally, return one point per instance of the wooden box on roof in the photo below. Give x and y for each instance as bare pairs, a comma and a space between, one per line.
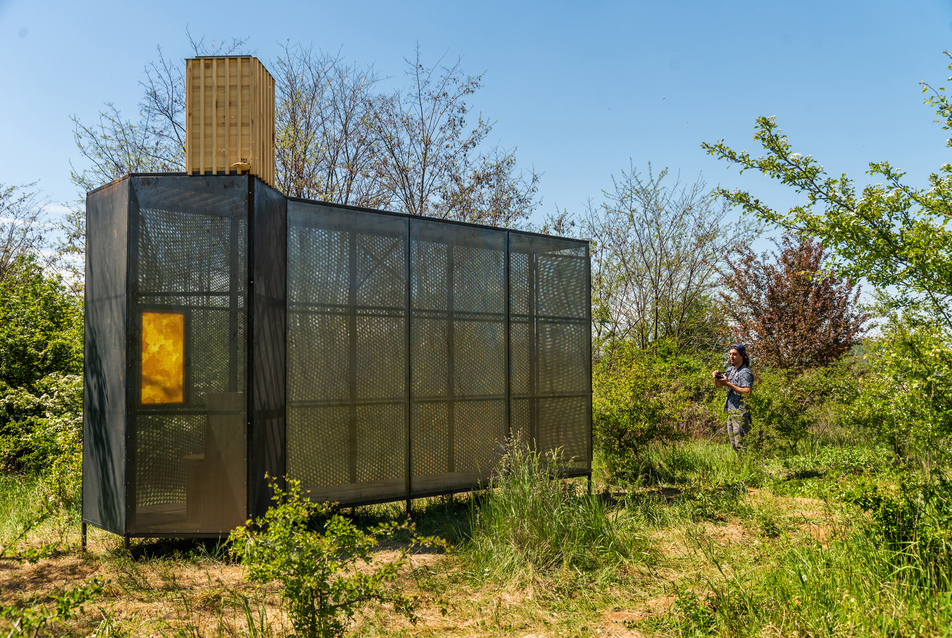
229, 117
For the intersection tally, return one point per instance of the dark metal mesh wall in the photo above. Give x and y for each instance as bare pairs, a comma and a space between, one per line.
104, 390
269, 331
371, 356
188, 457
408, 337
551, 346
347, 353
457, 354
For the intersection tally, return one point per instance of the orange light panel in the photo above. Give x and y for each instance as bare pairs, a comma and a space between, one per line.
163, 357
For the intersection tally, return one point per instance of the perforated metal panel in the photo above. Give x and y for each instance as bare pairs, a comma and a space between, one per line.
457, 354
404, 352
269, 231
551, 346
347, 353
104, 387
372, 356
190, 240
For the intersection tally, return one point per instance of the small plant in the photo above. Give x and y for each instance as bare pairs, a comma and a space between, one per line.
714, 502
914, 521
35, 620
314, 553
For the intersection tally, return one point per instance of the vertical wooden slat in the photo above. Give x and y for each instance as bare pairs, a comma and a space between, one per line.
227, 109
215, 127
188, 114
201, 132
269, 133
256, 118
230, 116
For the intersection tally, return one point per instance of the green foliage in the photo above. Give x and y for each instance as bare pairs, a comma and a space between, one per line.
322, 560
41, 326
790, 407
62, 426
693, 614
780, 418
895, 236
640, 396
891, 233
905, 398
697, 465
912, 518
822, 471
37, 620
41, 363
531, 522
713, 502
42, 433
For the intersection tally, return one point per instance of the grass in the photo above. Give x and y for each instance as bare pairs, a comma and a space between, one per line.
706, 543
528, 524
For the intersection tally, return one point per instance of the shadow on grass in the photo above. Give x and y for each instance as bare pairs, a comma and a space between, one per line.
444, 517
156, 549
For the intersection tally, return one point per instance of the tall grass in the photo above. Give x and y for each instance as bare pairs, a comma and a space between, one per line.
700, 463
854, 587
531, 523
885, 571
23, 508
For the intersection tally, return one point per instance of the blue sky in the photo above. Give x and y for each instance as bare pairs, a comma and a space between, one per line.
580, 88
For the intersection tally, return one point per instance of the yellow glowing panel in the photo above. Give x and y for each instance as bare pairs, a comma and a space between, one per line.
163, 357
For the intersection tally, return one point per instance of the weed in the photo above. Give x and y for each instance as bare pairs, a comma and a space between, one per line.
317, 568
33, 620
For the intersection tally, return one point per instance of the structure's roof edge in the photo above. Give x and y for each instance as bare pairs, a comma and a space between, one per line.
354, 208
437, 219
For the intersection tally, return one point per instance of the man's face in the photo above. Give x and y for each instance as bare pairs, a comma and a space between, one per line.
735, 358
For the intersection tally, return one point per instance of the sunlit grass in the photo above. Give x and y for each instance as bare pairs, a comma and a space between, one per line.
530, 524
707, 543
22, 510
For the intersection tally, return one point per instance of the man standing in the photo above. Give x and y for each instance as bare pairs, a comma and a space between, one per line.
739, 381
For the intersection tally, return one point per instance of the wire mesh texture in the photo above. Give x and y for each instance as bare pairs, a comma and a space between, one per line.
234, 333
417, 348
104, 387
189, 457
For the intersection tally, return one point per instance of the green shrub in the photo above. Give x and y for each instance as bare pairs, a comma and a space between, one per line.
41, 326
912, 519
905, 400
41, 363
43, 433
642, 396
314, 553
789, 408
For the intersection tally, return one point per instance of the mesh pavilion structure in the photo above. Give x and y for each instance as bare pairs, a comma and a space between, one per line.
235, 334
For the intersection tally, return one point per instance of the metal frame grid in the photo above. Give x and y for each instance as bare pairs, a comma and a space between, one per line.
417, 348
188, 253
373, 356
